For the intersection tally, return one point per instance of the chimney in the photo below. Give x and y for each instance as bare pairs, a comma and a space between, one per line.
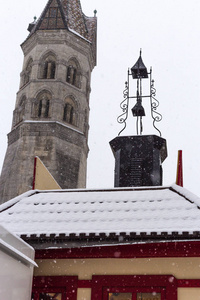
139, 158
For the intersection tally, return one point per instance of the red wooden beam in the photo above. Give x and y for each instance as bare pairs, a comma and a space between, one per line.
84, 284
103, 283
188, 283
168, 249
179, 175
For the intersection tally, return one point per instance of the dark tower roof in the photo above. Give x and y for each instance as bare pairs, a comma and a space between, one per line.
52, 17
67, 14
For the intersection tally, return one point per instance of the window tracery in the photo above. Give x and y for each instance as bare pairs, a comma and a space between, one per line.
42, 104
27, 72
70, 111
73, 73
48, 67
19, 112
21, 109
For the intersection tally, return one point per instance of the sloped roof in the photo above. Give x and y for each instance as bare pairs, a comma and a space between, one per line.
131, 212
67, 14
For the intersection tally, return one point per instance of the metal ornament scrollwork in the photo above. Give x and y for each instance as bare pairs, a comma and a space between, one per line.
139, 72
157, 117
124, 106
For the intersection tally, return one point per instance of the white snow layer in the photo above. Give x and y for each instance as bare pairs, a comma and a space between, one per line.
138, 210
76, 33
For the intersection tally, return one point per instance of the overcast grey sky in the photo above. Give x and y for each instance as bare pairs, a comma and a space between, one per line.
168, 32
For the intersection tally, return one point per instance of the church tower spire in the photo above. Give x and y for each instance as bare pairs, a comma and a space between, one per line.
50, 119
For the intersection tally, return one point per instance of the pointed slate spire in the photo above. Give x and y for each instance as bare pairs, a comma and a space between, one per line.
67, 14
53, 17
139, 70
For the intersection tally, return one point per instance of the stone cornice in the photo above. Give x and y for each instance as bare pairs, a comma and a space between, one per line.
55, 81
48, 128
59, 37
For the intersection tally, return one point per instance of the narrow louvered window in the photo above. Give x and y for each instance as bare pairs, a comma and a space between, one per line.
73, 73
48, 67
70, 111
40, 108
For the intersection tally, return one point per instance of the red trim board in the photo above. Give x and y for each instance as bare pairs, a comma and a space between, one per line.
57, 281
67, 285
103, 284
189, 283
84, 284
169, 249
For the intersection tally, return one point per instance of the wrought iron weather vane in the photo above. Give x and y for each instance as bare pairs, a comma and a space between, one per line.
139, 72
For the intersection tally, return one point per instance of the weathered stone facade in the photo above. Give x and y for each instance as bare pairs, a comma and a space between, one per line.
50, 119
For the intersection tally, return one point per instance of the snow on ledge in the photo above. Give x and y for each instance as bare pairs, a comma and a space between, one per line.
31, 121
78, 34
18, 254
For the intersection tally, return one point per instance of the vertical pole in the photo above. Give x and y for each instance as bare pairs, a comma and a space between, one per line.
179, 175
150, 88
128, 94
34, 172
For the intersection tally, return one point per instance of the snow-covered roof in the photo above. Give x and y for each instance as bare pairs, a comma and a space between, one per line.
130, 212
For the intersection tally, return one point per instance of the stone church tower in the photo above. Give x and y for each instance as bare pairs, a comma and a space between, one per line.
50, 119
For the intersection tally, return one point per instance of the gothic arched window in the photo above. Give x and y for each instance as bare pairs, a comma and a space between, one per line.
19, 112
21, 109
48, 67
70, 112
42, 105
27, 72
73, 73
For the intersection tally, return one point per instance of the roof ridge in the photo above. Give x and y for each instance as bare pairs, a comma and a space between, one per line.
88, 190
12, 202
189, 196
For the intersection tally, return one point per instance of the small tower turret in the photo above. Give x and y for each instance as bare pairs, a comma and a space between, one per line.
139, 158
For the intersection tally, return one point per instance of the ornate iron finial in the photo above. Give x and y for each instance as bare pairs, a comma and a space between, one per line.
35, 18
124, 106
157, 117
95, 13
139, 72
